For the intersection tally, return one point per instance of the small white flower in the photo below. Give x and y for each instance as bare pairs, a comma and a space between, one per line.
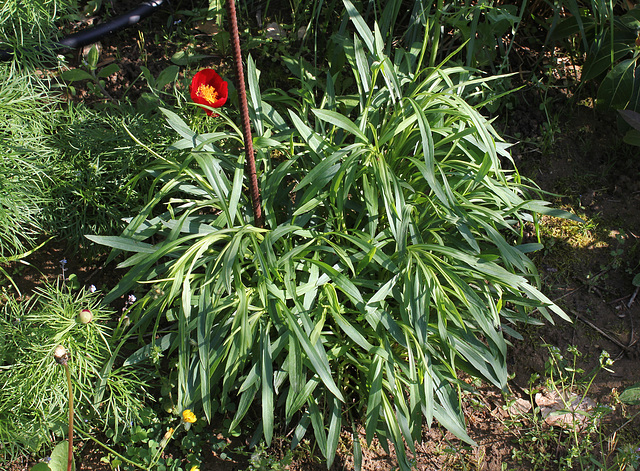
92, 288
132, 299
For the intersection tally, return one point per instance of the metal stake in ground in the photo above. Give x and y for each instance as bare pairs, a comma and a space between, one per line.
254, 191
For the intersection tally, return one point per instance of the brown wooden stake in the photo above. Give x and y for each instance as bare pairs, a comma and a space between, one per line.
254, 191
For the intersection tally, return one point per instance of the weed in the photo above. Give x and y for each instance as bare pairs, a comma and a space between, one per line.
261, 460
579, 442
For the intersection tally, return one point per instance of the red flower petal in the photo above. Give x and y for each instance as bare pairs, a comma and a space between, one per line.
213, 84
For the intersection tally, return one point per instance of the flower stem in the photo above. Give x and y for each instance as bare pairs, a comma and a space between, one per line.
110, 450
254, 191
163, 444
70, 386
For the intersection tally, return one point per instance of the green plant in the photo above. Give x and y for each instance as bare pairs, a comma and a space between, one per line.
143, 443
33, 391
261, 460
151, 100
28, 29
488, 29
89, 187
389, 259
66, 168
576, 440
28, 116
91, 73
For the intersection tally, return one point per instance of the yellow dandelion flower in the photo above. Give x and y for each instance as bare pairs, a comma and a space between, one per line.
194, 468
188, 416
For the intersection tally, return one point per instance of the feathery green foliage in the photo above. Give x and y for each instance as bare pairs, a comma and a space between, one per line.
33, 390
27, 29
28, 116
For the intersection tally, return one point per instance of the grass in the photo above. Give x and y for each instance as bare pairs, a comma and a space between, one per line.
90, 185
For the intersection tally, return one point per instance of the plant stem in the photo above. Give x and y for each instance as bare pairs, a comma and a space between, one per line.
254, 191
110, 450
163, 444
70, 387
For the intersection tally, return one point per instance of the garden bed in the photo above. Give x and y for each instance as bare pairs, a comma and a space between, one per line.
562, 144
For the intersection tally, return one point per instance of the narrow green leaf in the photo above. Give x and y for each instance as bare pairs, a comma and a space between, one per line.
374, 398
542, 207
312, 138
335, 424
205, 323
316, 355
123, 243
428, 167
341, 281
266, 385
317, 421
340, 121
301, 429
362, 65
357, 448
246, 399
303, 396
255, 98
361, 26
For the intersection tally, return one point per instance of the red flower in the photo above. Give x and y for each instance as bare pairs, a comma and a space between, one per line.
208, 88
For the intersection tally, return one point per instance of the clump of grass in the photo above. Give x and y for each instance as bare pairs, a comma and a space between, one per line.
91, 189
29, 115
28, 29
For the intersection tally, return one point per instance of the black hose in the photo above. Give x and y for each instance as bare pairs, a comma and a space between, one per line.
91, 35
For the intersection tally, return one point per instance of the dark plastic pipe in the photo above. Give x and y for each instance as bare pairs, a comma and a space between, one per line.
91, 35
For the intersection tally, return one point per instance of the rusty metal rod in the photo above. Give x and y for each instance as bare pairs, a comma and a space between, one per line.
254, 191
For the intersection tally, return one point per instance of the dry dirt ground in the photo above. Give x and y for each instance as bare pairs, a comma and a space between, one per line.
572, 152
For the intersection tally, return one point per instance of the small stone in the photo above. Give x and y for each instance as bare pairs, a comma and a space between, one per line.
274, 31
568, 410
